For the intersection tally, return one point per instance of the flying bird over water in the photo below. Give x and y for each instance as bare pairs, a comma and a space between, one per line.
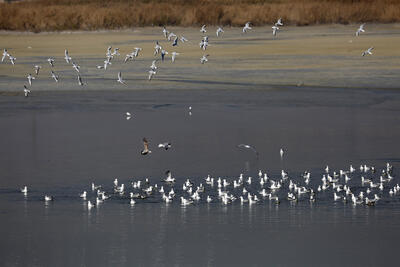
279, 22
51, 61
246, 27
204, 59
76, 66
116, 52
165, 145
281, 152
163, 53
151, 74
171, 35
12, 59
174, 54
80, 81
219, 31
360, 30
106, 63
66, 56
5, 54
153, 65
120, 78
248, 147
54, 76
165, 32
145, 150
26, 91
183, 39
367, 52
274, 30
203, 29
135, 53
30, 78
157, 48
37, 69
175, 43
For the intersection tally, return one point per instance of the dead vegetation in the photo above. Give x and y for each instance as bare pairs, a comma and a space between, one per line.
46, 15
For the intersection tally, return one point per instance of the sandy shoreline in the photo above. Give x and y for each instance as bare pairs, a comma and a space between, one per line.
313, 56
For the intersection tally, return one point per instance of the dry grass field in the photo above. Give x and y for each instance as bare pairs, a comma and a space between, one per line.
58, 15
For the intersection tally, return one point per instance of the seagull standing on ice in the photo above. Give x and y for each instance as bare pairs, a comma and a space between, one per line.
145, 150
367, 52
246, 27
360, 30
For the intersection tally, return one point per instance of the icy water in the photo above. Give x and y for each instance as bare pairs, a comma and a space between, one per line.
58, 143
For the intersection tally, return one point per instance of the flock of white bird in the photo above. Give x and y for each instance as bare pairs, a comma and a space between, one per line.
365, 186
246, 190
158, 50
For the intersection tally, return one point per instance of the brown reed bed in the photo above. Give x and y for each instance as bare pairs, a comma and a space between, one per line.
47, 15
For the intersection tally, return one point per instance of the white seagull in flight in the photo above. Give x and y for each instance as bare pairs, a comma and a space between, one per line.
5, 54
246, 27
248, 147
80, 81
26, 91
274, 30
51, 61
54, 76
145, 150
30, 78
165, 145
204, 59
203, 29
37, 69
174, 54
360, 30
120, 78
367, 52
219, 31
67, 57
